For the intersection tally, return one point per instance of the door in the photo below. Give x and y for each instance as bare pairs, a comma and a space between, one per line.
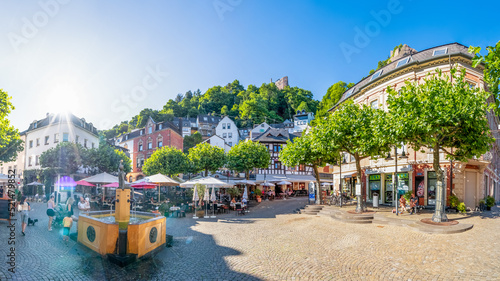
470, 189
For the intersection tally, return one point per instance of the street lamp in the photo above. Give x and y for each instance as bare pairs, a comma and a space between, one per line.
395, 183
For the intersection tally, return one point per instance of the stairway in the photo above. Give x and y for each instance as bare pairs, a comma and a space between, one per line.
311, 210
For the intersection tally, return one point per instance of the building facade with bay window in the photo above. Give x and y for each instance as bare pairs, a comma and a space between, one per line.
470, 181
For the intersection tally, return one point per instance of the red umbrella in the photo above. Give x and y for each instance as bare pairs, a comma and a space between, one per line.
145, 185
114, 184
85, 183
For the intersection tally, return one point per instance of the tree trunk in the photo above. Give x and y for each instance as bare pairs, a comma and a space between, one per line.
247, 175
206, 172
439, 213
319, 198
359, 206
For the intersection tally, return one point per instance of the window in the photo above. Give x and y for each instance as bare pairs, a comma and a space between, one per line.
77, 138
349, 93
262, 125
93, 145
35, 125
440, 52
29, 161
150, 145
374, 104
302, 168
472, 85
38, 142
65, 137
277, 148
352, 158
160, 126
46, 140
140, 132
376, 75
277, 165
205, 119
228, 126
230, 144
230, 135
160, 143
140, 146
224, 135
31, 144
403, 62
85, 143
150, 129
56, 138
223, 126
36, 160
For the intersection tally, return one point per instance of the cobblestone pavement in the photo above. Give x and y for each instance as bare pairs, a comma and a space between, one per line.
270, 243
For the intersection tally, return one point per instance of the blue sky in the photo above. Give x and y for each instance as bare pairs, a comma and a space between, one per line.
106, 60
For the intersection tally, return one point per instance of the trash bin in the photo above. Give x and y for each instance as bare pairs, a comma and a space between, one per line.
375, 200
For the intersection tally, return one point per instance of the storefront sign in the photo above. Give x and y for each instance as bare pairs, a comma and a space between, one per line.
374, 177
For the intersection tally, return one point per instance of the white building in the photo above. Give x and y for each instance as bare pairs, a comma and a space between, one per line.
301, 121
219, 142
259, 129
46, 133
227, 130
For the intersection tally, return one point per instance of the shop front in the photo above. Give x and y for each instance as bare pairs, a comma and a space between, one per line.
374, 186
431, 188
389, 187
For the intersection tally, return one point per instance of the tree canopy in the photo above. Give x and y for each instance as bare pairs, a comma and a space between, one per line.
166, 160
10, 141
441, 113
331, 98
247, 155
491, 63
106, 158
66, 158
310, 150
358, 130
191, 141
207, 158
246, 107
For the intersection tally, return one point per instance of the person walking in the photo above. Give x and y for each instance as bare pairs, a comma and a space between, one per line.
50, 210
67, 223
24, 207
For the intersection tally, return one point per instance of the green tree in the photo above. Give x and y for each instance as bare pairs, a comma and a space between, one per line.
10, 141
191, 141
207, 158
360, 131
66, 158
107, 159
311, 150
441, 113
491, 63
247, 155
167, 160
331, 98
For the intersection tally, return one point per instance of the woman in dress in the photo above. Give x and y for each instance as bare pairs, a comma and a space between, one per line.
24, 208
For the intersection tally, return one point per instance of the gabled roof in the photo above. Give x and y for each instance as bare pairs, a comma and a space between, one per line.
452, 49
52, 119
275, 135
210, 119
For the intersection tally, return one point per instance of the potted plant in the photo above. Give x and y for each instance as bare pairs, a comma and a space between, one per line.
164, 209
258, 192
490, 202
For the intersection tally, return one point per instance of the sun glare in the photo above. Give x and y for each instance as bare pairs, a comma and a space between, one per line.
62, 99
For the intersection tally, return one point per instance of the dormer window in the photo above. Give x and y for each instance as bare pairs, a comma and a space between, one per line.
403, 62
160, 126
141, 132
439, 52
349, 93
376, 75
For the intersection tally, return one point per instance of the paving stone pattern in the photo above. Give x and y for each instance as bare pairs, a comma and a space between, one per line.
270, 243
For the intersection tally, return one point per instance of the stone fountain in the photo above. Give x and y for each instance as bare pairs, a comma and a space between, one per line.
122, 235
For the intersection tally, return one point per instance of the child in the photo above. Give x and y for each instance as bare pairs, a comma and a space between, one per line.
67, 223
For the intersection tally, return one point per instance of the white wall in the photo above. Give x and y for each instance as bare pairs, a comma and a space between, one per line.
219, 142
261, 128
58, 128
227, 130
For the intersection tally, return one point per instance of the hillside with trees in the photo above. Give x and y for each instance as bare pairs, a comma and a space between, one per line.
246, 107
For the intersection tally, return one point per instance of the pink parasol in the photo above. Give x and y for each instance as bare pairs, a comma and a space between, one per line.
145, 185
84, 183
114, 184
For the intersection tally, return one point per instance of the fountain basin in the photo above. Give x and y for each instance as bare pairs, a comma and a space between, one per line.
99, 231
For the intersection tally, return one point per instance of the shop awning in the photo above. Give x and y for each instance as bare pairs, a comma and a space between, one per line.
290, 178
349, 175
